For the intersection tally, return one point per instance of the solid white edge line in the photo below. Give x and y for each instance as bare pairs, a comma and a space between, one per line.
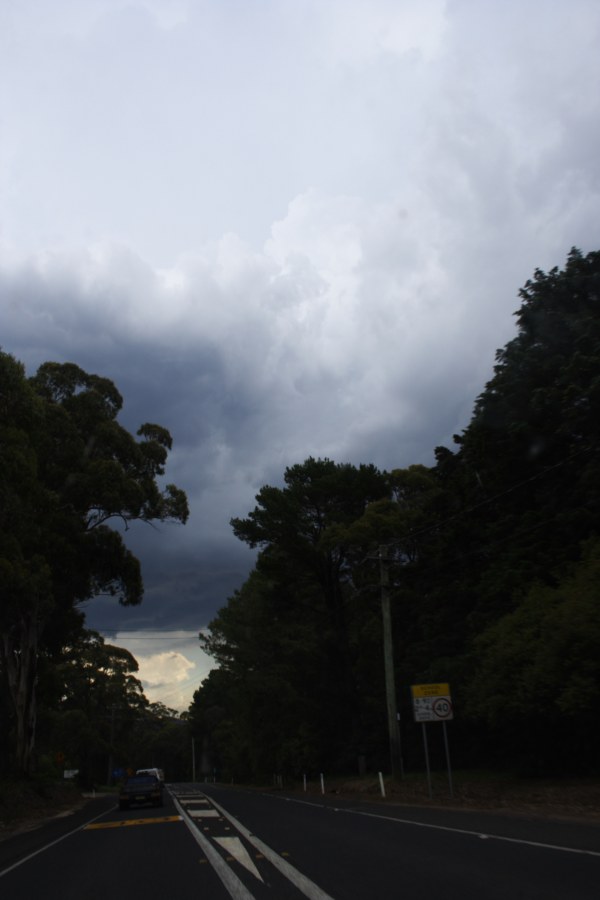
237, 889
304, 884
479, 834
52, 844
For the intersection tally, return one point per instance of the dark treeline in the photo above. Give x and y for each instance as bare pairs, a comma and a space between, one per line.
68, 471
493, 558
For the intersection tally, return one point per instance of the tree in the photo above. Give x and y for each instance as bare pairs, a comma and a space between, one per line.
525, 481
71, 469
212, 720
300, 644
294, 525
521, 489
531, 450
161, 737
25, 578
97, 700
538, 673
391, 545
271, 678
490, 587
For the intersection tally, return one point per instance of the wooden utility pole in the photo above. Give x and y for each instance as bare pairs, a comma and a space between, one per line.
390, 678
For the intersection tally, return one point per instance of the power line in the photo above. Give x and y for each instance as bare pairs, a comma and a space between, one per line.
185, 684
139, 636
469, 509
132, 635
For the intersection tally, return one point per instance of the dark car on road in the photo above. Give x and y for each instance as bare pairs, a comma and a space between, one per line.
138, 789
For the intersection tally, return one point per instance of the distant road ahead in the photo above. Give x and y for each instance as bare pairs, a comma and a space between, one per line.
214, 842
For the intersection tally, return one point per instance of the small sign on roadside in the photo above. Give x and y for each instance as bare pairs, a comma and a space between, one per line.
432, 702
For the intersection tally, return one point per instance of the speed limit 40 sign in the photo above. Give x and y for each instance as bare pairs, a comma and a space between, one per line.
432, 702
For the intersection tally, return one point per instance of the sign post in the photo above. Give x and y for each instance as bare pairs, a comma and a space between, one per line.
425, 747
433, 703
450, 787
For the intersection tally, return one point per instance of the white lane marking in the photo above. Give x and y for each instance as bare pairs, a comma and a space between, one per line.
490, 837
52, 843
236, 888
187, 801
203, 813
304, 884
235, 848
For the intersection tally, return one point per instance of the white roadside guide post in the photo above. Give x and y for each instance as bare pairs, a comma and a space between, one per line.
432, 703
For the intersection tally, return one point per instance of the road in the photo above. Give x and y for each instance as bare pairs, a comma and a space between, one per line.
216, 842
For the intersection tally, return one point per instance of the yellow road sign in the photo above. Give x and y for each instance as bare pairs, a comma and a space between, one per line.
432, 702
430, 690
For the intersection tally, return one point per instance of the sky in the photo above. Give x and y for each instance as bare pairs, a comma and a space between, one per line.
283, 228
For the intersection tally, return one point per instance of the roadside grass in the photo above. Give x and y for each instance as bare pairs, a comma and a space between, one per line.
475, 789
22, 797
26, 803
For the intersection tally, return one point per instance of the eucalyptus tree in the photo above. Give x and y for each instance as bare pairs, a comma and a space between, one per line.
91, 707
70, 472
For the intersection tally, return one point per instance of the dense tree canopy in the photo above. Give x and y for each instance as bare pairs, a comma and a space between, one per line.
493, 559
306, 571
491, 556
68, 470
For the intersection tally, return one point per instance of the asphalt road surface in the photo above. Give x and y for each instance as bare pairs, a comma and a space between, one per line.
215, 842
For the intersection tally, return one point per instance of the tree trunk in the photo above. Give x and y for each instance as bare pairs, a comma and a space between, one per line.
19, 659
350, 698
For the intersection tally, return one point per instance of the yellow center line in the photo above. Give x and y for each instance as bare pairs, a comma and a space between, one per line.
128, 822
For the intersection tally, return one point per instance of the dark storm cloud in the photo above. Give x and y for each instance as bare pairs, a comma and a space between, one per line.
184, 590
314, 255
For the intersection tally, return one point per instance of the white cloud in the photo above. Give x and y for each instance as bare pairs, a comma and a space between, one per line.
172, 673
358, 33
160, 670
